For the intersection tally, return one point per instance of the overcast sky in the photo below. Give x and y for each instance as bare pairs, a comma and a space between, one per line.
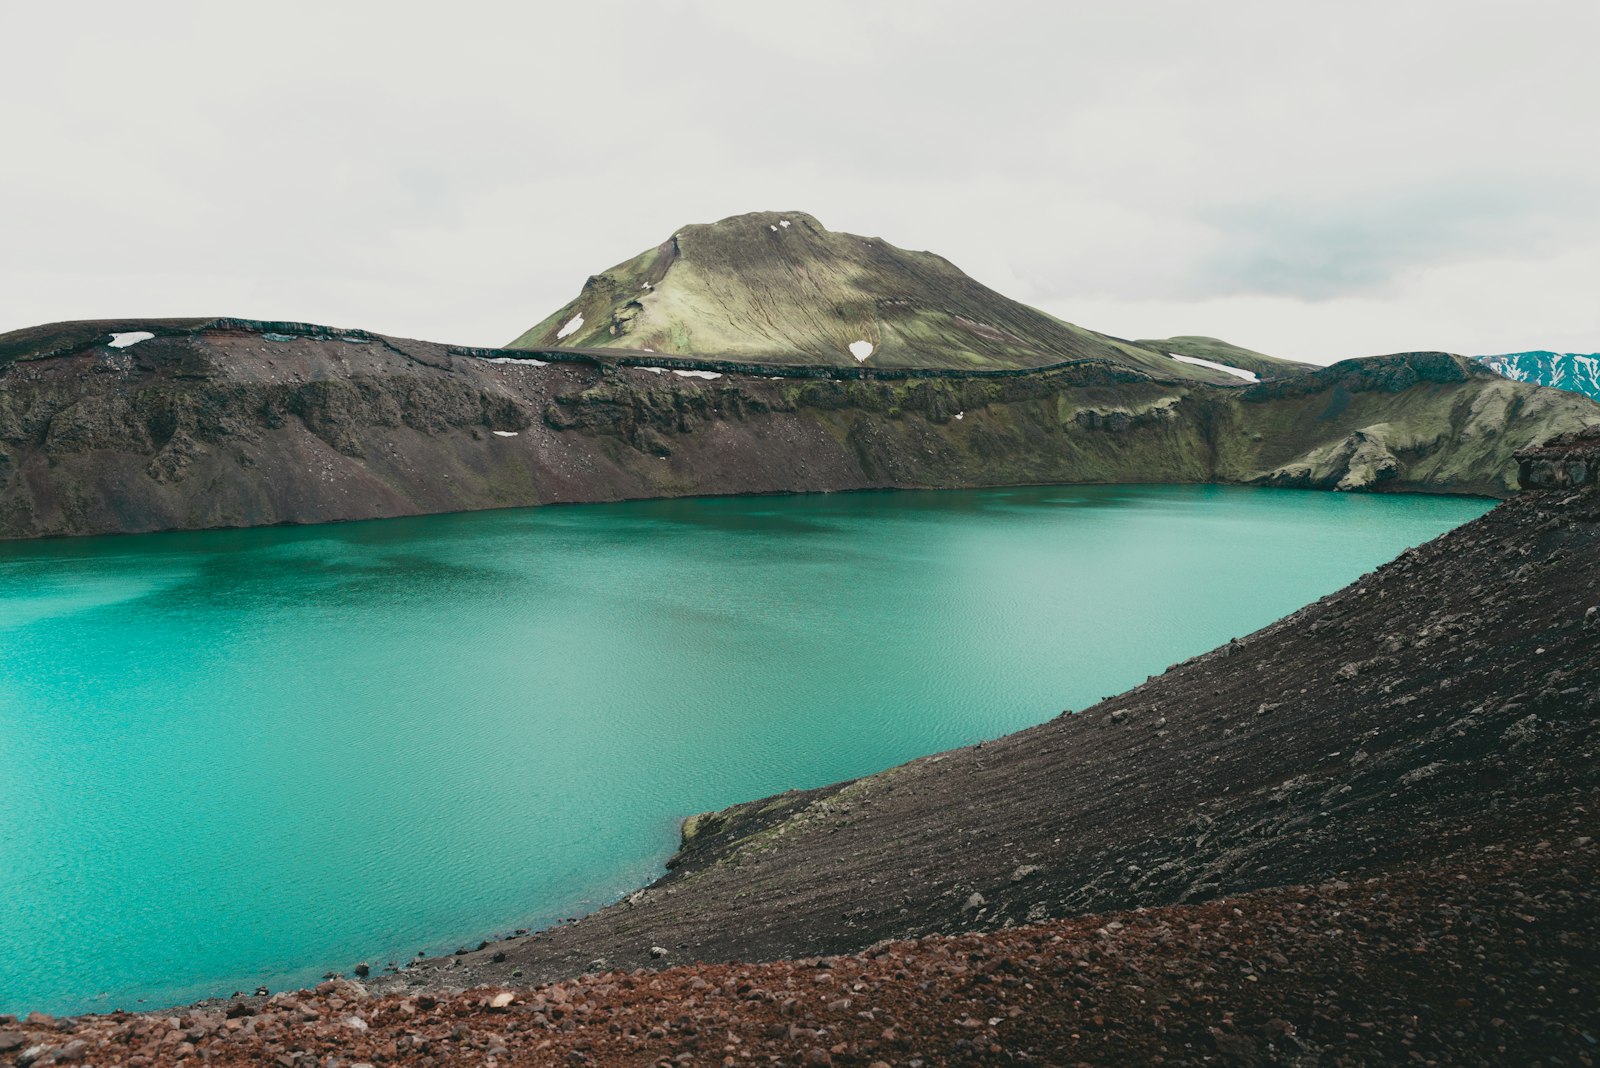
1312, 180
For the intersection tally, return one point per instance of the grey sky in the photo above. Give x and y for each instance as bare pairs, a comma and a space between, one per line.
1312, 180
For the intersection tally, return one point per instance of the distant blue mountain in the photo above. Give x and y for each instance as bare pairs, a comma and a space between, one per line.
1573, 371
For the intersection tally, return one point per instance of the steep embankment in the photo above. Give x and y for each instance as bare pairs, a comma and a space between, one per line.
1441, 711
214, 423
780, 288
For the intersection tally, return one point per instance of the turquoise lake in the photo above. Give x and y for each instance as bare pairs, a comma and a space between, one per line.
237, 758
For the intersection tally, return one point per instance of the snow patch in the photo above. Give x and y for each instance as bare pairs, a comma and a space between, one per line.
131, 337
1237, 372
647, 285
572, 327
961, 415
784, 223
654, 370
513, 359
861, 350
698, 374
505, 433
774, 229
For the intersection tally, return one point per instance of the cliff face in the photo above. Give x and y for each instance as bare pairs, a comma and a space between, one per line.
1567, 461
1444, 710
212, 423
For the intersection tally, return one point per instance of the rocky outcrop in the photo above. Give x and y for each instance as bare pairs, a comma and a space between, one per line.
214, 423
1362, 461
1568, 461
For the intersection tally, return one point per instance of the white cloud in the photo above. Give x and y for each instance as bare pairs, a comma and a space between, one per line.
1518, 305
1338, 180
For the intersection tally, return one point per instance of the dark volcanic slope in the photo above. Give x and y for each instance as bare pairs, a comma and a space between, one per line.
214, 423
1441, 710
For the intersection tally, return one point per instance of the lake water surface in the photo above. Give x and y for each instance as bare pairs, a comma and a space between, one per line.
239, 758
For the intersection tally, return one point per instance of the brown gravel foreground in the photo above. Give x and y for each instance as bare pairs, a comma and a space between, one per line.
1477, 963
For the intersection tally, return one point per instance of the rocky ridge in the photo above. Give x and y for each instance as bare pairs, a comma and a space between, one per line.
225, 423
1576, 371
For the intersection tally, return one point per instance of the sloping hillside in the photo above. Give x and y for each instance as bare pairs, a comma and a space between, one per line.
779, 287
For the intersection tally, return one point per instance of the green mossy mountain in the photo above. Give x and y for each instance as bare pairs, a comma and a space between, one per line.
780, 288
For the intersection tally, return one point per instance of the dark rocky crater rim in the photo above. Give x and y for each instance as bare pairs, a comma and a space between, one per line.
231, 422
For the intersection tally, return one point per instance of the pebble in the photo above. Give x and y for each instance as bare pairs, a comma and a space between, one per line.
953, 1000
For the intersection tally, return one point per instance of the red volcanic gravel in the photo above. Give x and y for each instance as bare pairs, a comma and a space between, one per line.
1491, 963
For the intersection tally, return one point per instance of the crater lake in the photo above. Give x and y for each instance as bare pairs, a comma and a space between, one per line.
240, 758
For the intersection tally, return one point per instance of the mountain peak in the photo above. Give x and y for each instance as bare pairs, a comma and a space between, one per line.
771, 221
779, 287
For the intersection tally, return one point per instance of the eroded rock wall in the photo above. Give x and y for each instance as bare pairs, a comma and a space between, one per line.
215, 423
1567, 461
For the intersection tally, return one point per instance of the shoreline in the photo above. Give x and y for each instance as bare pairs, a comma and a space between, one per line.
1264, 975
